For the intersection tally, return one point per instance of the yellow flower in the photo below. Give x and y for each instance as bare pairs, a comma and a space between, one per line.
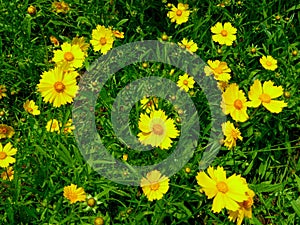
2, 91
219, 69
74, 194
180, 14
60, 7
82, 44
157, 130
264, 94
6, 131
58, 88
53, 125
54, 40
269, 63
70, 55
245, 209
226, 192
185, 82
6, 154
68, 127
224, 34
31, 10
102, 39
189, 45
31, 107
231, 133
154, 185
8, 174
234, 103
118, 34
149, 104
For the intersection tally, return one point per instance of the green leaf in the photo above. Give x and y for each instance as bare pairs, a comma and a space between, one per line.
120, 23
296, 206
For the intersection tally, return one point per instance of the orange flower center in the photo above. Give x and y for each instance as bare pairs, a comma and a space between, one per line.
3, 130
224, 33
179, 12
154, 187
269, 63
58, 5
218, 70
68, 56
234, 134
265, 98
157, 129
2, 155
222, 187
247, 204
238, 104
103, 41
30, 110
185, 82
72, 196
59, 87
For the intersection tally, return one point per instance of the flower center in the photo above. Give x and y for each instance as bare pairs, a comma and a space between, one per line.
157, 129
185, 82
72, 196
265, 98
218, 70
58, 5
59, 87
224, 33
234, 134
179, 13
68, 56
91, 202
154, 187
103, 41
2, 155
222, 187
3, 130
269, 63
247, 204
238, 104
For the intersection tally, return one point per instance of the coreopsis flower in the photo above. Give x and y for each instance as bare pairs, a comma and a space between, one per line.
53, 125
60, 7
102, 39
149, 104
118, 34
219, 69
180, 14
91, 203
8, 174
81, 43
6, 155
268, 62
185, 82
191, 46
31, 107
227, 192
70, 55
54, 41
6, 131
224, 34
68, 127
234, 103
231, 133
264, 94
157, 129
245, 209
155, 185
3, 91
57, 87
74, 194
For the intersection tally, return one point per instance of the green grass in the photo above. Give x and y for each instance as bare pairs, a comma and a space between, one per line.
268, 156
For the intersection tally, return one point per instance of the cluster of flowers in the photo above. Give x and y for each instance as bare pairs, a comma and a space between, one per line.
157, 129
